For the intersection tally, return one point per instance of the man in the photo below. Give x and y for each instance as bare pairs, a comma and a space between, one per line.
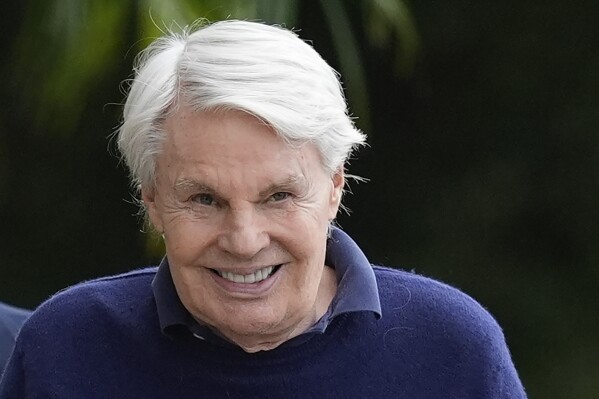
11, 319
236, 136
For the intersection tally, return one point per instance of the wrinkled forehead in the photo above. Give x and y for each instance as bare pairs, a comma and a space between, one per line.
221, 127
229, 140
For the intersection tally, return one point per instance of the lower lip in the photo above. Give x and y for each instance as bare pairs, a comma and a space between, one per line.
248, 290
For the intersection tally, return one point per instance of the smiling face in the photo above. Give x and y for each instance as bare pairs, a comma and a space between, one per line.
245, 218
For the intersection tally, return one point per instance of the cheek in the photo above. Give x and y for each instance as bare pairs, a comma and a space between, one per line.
308, 246
184, 239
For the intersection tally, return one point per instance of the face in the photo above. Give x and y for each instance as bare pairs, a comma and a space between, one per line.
244, 218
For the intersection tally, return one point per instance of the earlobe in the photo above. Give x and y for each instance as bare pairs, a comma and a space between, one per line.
338, 182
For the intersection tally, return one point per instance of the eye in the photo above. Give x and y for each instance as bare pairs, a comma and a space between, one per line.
204, 199
280, 196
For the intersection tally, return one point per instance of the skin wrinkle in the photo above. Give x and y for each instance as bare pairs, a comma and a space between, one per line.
241, 164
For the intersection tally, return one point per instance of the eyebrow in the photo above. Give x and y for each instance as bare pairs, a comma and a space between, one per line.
194, 185
291, 182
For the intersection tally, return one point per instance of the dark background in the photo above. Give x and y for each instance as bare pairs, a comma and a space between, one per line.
482, 118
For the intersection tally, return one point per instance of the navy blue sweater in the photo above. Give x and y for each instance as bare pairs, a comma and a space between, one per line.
102, 339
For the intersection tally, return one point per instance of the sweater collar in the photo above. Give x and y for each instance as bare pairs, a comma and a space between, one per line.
357, 290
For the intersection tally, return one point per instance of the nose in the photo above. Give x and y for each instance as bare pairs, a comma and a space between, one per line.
244, 235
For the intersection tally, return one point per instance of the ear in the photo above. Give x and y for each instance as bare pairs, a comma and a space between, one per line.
148, 196
338, 182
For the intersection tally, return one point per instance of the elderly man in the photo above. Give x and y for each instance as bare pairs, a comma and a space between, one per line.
237, 136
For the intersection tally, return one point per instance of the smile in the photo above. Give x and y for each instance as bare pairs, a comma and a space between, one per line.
256, 277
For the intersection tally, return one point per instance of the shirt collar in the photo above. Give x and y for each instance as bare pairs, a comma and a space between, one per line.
357, 290
171, 311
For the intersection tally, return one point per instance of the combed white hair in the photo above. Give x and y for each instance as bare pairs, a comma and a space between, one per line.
267, 71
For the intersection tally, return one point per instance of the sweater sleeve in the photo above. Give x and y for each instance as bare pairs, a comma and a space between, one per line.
500, 378
482, 349
456, 344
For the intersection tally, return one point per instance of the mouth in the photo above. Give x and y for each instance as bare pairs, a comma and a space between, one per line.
252, 278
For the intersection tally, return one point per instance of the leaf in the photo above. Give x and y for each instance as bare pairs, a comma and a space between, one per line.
349, 59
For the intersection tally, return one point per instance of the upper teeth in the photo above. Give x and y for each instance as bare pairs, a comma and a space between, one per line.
255, 277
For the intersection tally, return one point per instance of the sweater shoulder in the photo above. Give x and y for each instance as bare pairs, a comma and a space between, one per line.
400, 287
109, 288
435, 306
437, 325
116, 297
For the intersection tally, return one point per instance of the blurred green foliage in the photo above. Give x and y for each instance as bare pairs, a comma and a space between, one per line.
483, 161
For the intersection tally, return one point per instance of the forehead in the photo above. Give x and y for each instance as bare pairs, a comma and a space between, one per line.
217, 131
220, 144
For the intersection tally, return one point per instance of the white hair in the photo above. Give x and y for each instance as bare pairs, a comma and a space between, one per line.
267, 71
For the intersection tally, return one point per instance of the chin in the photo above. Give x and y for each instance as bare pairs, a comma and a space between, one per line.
252, 329
253, 335
258, 340
260, 347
